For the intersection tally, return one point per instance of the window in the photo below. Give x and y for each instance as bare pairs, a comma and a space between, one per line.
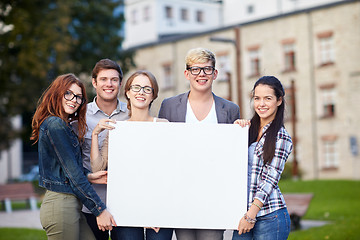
289, 99
184, 14
330, 158
223, 66
199, 16
289, 57
250, 9
328, 95
254, 62
146, 14
326, 45
168, 12
134, 16
168, 76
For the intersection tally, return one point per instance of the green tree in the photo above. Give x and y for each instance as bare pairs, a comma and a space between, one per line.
40, 39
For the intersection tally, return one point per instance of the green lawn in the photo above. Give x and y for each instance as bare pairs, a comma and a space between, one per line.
336, 201
22, 234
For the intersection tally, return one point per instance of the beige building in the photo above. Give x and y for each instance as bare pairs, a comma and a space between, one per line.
317, 49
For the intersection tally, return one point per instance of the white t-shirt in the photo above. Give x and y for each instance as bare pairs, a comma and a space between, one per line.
191, 118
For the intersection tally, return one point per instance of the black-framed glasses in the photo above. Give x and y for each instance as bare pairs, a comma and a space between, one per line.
69, 95
137, 88
208, 70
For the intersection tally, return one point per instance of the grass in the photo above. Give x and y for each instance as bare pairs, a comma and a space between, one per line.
22, 234
336, 201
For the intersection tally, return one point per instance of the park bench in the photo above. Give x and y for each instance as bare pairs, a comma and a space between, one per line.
17, 191
297, 205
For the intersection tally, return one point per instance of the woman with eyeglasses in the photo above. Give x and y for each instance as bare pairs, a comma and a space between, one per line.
60, 164
141, 89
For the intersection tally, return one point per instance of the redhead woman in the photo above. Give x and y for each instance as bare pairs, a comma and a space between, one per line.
141, 89
269, 147
61, 171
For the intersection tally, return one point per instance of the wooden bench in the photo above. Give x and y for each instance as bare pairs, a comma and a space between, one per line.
17, 191
297, 205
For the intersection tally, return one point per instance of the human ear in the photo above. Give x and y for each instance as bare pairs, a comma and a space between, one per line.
186, 74
94, 82
215, 74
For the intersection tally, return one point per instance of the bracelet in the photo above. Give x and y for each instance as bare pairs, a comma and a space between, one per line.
256, 205
249, 219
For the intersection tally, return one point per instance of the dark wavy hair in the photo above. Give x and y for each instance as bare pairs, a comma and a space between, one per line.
50, 104
276, 124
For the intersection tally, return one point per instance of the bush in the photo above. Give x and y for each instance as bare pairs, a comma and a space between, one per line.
287, 173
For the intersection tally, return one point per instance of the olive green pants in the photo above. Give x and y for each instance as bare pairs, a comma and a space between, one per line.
61, 217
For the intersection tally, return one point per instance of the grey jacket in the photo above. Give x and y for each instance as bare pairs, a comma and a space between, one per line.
174, 109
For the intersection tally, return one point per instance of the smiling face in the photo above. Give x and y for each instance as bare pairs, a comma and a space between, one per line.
140, 100
265, 103
107, 85
201, 82
71, 106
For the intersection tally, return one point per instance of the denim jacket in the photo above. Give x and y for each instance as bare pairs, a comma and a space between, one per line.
60, 164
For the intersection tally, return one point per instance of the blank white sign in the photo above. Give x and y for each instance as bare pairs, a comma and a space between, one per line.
177, 175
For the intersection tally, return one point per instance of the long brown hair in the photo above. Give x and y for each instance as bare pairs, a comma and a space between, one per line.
50, 104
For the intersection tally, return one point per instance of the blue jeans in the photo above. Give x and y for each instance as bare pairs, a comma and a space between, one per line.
163, 234
273, 226
127, 233
137, 233
199, 234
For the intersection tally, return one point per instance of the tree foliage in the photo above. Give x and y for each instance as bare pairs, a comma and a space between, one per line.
40, 39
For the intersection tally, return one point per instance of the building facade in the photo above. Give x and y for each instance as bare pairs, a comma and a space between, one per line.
11, 159
314, 52
151, 20
236, 11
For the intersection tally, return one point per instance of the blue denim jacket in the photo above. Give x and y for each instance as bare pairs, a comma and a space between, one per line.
60, 164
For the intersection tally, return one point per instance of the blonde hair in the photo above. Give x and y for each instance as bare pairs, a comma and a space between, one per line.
199, 55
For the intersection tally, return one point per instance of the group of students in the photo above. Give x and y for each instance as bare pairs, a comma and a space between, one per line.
72, 142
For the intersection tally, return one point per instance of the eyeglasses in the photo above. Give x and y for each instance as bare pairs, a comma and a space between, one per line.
69, 95
208, 70
146, 89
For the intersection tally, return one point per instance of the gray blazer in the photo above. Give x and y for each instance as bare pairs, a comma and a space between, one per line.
174, 109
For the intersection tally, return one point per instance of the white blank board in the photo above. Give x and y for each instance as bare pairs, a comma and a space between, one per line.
177, 175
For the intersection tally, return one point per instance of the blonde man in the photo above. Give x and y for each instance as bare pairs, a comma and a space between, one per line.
199, 105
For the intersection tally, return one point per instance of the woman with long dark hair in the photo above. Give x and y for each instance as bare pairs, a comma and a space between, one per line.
269, 147
60, 163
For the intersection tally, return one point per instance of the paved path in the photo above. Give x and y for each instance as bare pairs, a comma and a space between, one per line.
31, 219
21, 219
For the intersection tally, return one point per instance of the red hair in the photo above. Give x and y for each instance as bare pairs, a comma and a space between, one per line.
50, 104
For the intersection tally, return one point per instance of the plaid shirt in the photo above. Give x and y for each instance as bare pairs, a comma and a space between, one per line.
264, 179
